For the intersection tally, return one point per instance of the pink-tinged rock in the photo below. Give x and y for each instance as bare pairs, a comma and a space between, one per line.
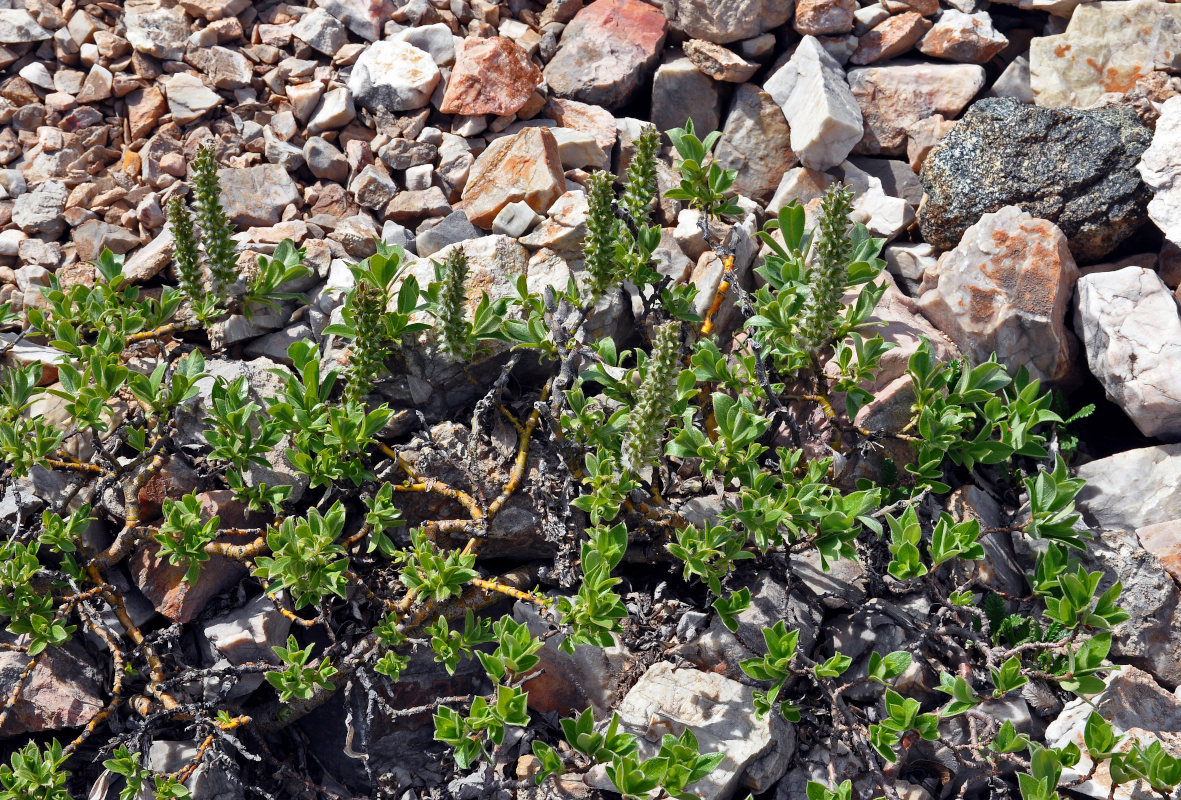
1005, 289
607, 51
891, 37
491, 76
757, 142
922, 137
894, 97
164, 584
718, 62
725, 21
595, 120
1163, 540
363, 17
968, 38
64, 689
824, 17
526, 166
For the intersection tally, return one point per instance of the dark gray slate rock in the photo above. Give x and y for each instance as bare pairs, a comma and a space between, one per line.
1075, 168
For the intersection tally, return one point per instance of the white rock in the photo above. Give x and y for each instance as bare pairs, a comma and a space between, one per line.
335, 110
1131, 329
249, 633
17, 26
1133, 489
394, 76
37, 74
882, 214
579, 149
824, 117
681, 91
437, 39
10, 241
720, 712
1160, 167
159, 32
189, 98
908, 262
515, 219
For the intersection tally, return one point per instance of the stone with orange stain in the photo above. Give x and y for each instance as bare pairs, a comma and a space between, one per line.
1006, 289
491, 76
1107, 47
968, 38
1163, 540
525, 166
891, 37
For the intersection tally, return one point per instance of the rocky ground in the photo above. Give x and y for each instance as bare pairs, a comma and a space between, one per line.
1023, 160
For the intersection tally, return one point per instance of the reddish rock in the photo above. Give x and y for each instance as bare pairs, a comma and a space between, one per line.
164, 584
491, 76
64, 689
607, 51
144, 108
718, 62
968, 38
526, 166
922, 137
924, 7
891, 37
823, 17
1163, 540
595, 120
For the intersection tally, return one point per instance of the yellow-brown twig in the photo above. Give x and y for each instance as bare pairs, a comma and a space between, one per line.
163, 330
497, 586
707, 326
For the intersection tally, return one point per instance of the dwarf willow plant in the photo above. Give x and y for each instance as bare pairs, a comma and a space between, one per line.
760, 423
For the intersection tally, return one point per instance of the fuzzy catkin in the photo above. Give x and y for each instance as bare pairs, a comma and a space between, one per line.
599, 245
830, 272
216, 230
366, 305
453, 327
186, 259
640, 187
643, 442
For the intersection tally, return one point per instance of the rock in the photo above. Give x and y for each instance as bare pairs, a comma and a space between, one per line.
437, 39
97, 86
1005, 288
607, 51
321, 31
212, 10
393, 76
189, 98
402, 154
209, 781
247, 634
801, 184
882, 213
718, 62
1129, 323
256, 195
923, 136
363, 17
525, 166
39, 212
144, 109
17, 26
491, 76
720, 712
909, 262
1160, 168
1132, 489
373, 188
968, 38
148, 261
824, 17
64, 690
163, 583
1074, 168
725, 21
335, 110
891, 37
757, 142
1163, 540
515, 219
893, 98
412, 206
324, 160
823, 116
452, 229
598, 122
579, 149
680, 91
157, 31
92, 236
1139, 710
1014, 81
1107, 47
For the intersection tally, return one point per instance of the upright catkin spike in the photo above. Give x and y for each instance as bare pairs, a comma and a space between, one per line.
640, 187
216, 229
649, 417
830, 271
366, 303
599, 245
453, 327
186, 259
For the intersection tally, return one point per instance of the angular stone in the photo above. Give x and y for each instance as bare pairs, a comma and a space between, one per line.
94, 235
718, 62
824, 17
923, 136
97, 86
40, 211
363, 17
1132, 489
228, 69
256, 195
144, 108
892, 98
158, 32
595, 120
452, 229
891, 37
1074, 168
212, 10
321, 31
725, 21
17, 26
1160, 167
884, 214
1163, 540
607, 51
822, 113
720, 712
436, 39
491, 76
1014, 81
249, 633
968, 38
1131, 328
393, 76
163, 583
525, 166
680, 91
64, 689
1005, 289
188, 98
409, 207
515, 219
1107, 47
335, 110
1139, 711
757, 142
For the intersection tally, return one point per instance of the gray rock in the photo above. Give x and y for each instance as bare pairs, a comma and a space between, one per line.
454, 228
1132, 489
407, 153
324, 160
322, 31
256, 195
17, 26
159, 32
1075, 168
757, 142
681, 91
724, 21
436, 39
209, 781
39, 212
373, 188
394, 234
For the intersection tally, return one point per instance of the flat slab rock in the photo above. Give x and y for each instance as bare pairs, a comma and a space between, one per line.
720, 713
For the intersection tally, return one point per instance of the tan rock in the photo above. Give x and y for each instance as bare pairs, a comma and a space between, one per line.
718, 62
922, 136
144, 108
1107, 47
968, 38
891, 38
491, 76
1006, 289
824, 17
525, 166
894, 97
1163, 540
757, 142
595, 120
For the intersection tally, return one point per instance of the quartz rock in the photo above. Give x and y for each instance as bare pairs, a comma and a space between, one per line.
725, 21
491, 76
1160, 167
757, 142
968, 38
718, 62
188, 98
890, 37
393, 76
824, 17
525, 166
680, 91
